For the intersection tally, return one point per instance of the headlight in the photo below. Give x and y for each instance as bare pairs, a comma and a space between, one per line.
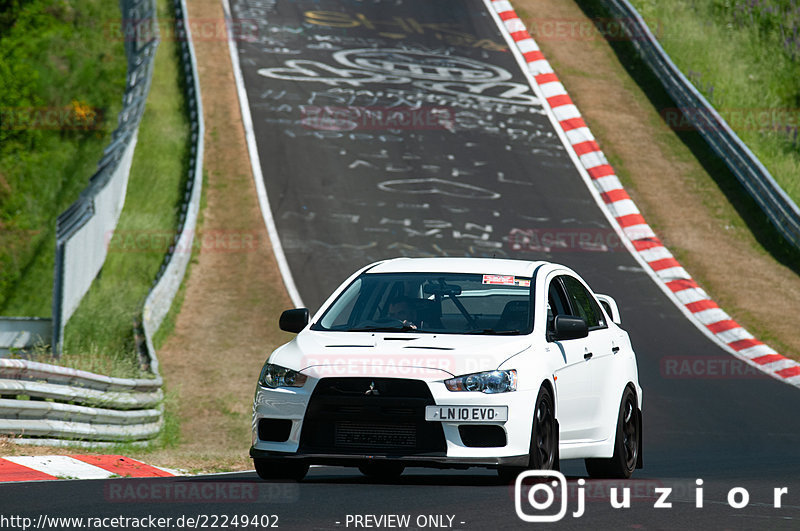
276, 376
485, 382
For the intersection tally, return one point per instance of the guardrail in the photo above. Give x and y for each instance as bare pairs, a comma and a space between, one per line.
173, 269
46, 403
20, 333
83, 229
782, 212
66, 403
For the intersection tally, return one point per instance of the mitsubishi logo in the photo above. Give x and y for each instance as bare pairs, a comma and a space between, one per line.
372, 391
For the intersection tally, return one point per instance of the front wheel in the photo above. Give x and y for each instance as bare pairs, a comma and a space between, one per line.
543, 450
626, 446
280, 469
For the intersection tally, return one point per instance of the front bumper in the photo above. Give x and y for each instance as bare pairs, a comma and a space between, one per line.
293, 404
418, 461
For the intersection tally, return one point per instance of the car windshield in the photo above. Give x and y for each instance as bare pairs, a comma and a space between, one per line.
442, 303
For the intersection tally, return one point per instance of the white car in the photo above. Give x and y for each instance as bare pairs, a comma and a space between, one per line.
452, 362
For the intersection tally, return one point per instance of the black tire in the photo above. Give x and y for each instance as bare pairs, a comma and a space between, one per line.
382, 470
280, 469
543, 450
626, 446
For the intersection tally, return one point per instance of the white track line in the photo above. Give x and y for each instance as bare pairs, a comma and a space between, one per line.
255, 163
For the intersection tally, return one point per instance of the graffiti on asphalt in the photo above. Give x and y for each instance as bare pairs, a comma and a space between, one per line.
440, 73
401, 28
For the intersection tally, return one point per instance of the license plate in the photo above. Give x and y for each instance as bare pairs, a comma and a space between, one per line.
466, 413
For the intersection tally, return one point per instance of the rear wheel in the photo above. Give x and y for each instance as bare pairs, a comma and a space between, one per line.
543, 450
382, 470
280, 469
626, 446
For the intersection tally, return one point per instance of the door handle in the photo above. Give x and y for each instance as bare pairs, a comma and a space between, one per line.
614, 349
587, 355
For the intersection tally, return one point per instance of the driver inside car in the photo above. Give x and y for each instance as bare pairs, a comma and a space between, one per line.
403, 309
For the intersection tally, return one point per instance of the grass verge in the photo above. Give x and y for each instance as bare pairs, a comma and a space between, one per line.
99, 336
744, 57
742, 214
61, 86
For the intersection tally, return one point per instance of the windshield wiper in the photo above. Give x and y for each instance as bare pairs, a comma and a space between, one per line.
397, 328
493, 332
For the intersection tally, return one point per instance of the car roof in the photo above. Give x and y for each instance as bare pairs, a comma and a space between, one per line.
485, 266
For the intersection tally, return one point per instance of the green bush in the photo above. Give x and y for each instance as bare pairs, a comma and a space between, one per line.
744, 56
61, 85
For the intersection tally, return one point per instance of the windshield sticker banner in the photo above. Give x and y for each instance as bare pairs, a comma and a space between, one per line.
505, 280
502, 280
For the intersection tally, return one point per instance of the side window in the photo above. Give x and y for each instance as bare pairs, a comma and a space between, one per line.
556, 303
583, 304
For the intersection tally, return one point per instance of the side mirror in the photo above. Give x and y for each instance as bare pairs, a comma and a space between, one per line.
569, 327
611, 308
294, 320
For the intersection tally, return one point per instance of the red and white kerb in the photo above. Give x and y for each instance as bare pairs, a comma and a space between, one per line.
727, 331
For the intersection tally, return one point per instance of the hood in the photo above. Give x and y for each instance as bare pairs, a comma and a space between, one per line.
396, 355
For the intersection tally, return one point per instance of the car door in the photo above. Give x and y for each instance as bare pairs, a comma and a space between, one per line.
576, 393
599, 352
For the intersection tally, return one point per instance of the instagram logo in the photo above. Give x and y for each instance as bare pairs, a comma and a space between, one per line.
541, 495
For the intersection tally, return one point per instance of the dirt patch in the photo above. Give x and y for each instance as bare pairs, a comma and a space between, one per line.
7, 447
696, 215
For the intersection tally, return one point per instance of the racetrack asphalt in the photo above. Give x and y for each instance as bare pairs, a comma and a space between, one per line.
407, 128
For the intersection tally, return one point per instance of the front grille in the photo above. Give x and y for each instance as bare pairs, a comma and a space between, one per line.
375, 416
359, 434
